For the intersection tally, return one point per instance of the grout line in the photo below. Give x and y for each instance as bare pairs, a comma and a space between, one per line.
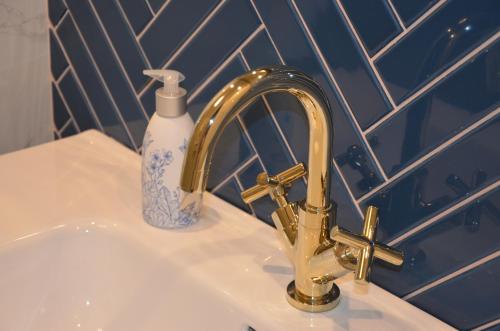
240, 168
131, 30
151, 21
453, 275
431, 153
342, 97
64, 127
63, 98
445, 213
117, 57
78, 82
212, 76
238, 182
409, 29
61, 19
56, 132
150, 9
224, 64
267, 32
280, 131
65, 71
396, 15
186, 43
344, 182
436, 80
337, 168
275, 121
379, 79
106, 88
247, 135
271, 114
487, 325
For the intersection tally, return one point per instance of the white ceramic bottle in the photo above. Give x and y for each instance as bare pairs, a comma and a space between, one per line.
163, 150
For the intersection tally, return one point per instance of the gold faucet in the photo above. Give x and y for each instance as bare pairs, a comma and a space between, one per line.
319, 257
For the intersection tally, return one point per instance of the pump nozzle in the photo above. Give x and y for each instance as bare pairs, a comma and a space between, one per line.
170, 99
170, 79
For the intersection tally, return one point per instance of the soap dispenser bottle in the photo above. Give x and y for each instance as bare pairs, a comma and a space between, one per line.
163, 150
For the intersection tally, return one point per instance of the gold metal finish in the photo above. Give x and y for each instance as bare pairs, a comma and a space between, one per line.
320, 304
318, 256
366, 246
271, 184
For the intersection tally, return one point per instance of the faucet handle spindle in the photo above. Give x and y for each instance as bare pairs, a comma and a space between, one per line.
366, 246
274, 185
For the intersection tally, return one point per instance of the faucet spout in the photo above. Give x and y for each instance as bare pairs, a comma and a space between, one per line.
234, 98
303, 227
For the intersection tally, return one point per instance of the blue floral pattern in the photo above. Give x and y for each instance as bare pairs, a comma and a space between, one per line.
161, 206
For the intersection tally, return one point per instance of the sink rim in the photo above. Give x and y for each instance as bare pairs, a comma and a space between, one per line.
97, 154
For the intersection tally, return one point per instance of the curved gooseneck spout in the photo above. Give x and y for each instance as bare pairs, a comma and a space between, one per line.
303, 228
234, 98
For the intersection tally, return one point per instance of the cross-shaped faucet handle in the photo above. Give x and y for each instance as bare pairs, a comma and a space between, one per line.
365, 246
274, 185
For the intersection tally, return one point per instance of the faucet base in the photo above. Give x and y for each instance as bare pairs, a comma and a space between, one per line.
313, 304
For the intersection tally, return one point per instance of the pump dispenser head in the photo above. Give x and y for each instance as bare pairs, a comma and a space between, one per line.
171, 99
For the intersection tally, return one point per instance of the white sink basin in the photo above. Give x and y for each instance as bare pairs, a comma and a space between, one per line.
75, 254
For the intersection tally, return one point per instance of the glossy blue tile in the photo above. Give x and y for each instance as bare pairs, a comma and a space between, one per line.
461, 99
269, 145
438, 183
347, 216
263, 207
248, 175
242, 19
436, 44
156, 4
466, 301
123, 40
107, 64
90, 81
233, 147
260, 52
79, 108
231, 71
410, 10
297, 52
56, 10
373, 21
137, 12
70, 130
349, 67
61, 115
469, 233
266, 138
231, 151
57, 60
231, 193
179, 21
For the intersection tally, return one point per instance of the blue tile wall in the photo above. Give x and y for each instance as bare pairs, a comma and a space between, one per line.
410, 10
414, 90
